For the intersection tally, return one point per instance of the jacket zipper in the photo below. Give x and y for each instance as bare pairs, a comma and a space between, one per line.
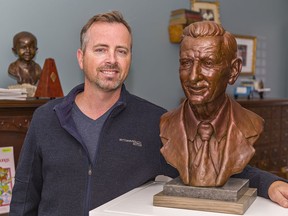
88, 190
90, 170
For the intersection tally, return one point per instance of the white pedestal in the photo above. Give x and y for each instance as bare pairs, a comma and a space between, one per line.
139, 202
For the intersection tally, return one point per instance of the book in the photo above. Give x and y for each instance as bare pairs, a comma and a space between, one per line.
13, 94
12, 91
7, 175
179, 19
7, 97
185, 17
182, 11
183, 20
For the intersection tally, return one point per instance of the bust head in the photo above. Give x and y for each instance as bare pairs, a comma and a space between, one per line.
208, 62
25, 45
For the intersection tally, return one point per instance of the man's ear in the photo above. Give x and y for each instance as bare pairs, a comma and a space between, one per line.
80, 58
236, 67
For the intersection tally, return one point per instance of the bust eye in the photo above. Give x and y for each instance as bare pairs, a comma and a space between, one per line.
208, 63
186, 63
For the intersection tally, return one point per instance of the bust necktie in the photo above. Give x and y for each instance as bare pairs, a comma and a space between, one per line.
202, 169
205, 131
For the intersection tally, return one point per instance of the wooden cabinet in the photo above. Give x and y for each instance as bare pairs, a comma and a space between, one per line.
15, 117
272, 146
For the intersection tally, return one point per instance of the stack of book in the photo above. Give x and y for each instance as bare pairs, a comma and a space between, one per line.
13, 94
179, 19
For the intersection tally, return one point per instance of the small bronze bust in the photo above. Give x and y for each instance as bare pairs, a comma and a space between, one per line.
209, 137
24, 69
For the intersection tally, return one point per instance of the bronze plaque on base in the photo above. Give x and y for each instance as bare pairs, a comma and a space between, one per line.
235, 197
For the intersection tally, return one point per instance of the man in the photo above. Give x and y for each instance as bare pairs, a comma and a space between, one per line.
210, 137
97, 142
24, 69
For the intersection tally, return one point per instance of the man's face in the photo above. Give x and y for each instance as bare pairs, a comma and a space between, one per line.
25, 48
107, 57
204, 71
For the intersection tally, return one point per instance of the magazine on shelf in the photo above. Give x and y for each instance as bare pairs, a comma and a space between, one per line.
7, 175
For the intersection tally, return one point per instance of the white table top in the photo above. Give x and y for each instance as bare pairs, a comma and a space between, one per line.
139, 202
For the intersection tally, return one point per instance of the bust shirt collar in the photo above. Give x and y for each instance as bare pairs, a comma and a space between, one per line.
219, 123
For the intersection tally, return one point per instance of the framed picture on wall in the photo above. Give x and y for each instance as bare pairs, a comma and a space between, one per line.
246, 50
208, 10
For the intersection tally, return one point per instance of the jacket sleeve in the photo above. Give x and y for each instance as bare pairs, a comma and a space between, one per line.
259, 179
167, 169
28, 178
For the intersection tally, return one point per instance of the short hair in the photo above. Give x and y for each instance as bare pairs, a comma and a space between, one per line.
110, 17
210, 29
23, 34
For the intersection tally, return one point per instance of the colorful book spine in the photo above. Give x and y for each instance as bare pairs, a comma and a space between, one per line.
7, 175
185, 17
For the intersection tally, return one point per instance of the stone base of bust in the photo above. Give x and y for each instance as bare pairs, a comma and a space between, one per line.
29, 88
233, 189
234, 197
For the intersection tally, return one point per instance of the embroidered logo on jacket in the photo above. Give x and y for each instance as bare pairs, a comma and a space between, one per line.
134, 142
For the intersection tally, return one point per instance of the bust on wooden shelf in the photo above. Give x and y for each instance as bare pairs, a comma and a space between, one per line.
25, 70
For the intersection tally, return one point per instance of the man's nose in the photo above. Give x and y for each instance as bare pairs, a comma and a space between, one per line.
111, 57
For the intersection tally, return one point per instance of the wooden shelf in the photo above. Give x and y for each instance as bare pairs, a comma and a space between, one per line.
15, 117
272, 146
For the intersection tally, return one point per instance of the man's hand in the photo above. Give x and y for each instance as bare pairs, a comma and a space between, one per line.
278, 193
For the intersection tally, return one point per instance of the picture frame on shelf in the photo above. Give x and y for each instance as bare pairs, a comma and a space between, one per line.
209, 10
246, 50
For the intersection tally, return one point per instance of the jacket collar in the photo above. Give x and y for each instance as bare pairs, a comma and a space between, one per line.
66, 105
63, 110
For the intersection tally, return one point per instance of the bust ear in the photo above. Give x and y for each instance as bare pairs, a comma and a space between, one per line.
236, 67
14, 50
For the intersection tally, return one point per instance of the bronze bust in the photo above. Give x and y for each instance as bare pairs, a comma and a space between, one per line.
209, 137
24, 69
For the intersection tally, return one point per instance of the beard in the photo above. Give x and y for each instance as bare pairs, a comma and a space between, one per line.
107, 83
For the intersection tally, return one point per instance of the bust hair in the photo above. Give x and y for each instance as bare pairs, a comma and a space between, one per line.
212, 29
23, 34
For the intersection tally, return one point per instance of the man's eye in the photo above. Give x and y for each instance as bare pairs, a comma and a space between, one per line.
122, 52
99, 50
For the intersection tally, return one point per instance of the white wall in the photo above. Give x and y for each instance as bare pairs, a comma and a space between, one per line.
154, 72
268, 21
57, 25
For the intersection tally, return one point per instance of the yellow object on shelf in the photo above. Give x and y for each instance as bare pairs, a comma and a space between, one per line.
175, 33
